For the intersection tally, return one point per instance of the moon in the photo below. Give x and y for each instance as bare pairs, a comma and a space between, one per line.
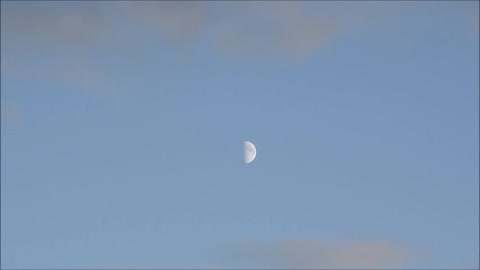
250, 152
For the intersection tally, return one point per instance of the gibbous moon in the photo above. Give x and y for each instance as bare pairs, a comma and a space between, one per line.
250, 152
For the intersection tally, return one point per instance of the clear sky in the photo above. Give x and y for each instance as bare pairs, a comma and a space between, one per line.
123, 126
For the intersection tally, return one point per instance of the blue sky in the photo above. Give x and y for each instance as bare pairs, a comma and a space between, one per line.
123, 126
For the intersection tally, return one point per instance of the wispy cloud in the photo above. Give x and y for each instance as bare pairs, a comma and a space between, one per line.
54, 42
67, 73
175, 20
53, 24
59, 41
277, 27
11, 114
258, 28
85, 30
88, 78
281, 28
314, 254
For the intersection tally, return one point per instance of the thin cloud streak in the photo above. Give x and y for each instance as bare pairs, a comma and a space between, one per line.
43, 24
70, 73
279, 28
67, 35
314, 254
11, 114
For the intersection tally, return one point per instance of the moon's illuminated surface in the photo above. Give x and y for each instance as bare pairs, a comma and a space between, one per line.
250, 152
